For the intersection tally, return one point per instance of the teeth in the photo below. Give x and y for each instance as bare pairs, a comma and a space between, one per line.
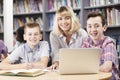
94, 34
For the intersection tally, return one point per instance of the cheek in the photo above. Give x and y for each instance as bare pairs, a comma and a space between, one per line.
87, 30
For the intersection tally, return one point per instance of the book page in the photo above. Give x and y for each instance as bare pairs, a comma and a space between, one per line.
22, 72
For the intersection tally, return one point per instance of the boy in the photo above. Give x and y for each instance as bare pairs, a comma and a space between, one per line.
32, 54
95, 28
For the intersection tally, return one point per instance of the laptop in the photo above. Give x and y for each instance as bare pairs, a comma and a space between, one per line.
79, 60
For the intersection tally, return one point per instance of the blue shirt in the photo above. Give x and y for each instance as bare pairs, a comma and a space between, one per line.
24, 54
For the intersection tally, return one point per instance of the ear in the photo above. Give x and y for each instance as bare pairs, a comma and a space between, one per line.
40, 36
24, 37
105, 27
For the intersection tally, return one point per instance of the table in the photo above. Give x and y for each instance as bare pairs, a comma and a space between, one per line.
56, 76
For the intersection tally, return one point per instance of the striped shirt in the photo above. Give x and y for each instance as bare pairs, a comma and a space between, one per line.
108, 53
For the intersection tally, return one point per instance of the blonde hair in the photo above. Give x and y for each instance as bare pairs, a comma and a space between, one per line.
65, 10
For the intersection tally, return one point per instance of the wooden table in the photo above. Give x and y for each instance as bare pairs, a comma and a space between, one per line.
56, 76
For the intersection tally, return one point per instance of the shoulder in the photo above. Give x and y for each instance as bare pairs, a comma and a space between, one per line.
108, 40
82, 32
43, 43
1, 42
53, 36
52, 33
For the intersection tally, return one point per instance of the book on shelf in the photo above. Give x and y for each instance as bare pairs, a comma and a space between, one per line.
22, 72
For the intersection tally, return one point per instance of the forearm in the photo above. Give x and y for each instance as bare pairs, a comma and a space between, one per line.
106, 67
41, 64
4, 66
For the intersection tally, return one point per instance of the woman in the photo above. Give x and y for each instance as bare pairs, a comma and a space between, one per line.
66, 33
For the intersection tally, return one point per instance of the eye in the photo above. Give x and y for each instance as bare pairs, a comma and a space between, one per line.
67, 17
36, 34
89, 26
96, 26
59, 18
29, 34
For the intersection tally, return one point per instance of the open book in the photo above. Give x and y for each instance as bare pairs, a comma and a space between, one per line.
22, 72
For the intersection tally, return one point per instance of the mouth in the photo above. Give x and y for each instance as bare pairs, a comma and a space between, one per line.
93, 34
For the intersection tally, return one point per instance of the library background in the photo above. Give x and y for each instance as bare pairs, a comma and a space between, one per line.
14, 13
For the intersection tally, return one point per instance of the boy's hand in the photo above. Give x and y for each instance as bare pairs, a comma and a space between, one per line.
29, 66
106, 67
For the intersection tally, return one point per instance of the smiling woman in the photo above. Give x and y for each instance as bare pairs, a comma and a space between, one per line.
67, 33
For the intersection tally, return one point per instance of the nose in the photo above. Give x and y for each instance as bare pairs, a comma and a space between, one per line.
63, 21
93, 28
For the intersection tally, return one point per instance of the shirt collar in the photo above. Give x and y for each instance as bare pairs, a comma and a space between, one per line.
28, 50
74, 35
100, 42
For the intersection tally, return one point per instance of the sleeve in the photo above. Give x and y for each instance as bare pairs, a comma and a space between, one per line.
84, 33
45, 48
14, 56
54, 43
4, 49
110, 53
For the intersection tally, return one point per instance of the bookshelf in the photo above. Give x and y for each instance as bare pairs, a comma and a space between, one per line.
1, 19
43, 12
27, 11
109, 8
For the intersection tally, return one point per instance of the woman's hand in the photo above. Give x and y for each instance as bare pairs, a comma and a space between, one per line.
54, 66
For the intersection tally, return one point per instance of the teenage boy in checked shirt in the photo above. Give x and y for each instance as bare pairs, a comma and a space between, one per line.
109, 59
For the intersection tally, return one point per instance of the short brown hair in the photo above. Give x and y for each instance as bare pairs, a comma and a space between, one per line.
32, 25
95, 14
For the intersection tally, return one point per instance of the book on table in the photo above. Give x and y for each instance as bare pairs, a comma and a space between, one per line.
22, 72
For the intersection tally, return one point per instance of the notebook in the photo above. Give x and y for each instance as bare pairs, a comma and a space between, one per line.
79, 60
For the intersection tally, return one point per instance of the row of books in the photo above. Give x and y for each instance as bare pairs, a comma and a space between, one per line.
21, 21
1, 7
111, 15
27, 6
1, 25
102, 2
55, 4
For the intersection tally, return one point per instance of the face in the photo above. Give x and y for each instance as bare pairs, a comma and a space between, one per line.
32, 36
64, 22
95, 29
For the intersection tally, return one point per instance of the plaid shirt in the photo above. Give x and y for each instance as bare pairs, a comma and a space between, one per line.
108, 53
